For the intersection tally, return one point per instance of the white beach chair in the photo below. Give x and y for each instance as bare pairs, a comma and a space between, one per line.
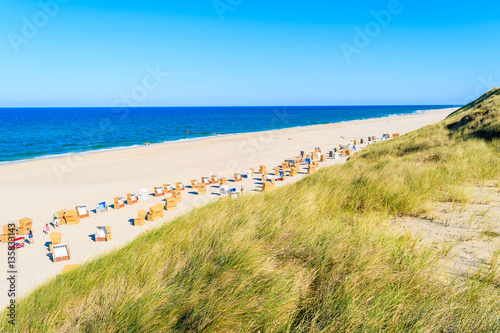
82, 211
159, 191
224, 190
143, 194
101, 207
61, 252
103, 234
234, 194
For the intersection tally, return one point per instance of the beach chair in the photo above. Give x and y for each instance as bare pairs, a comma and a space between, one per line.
179, 186
317, 150
8, 229
82, 210
322, 158
143, 194
223, 181
177, 194
101, 207
293, 171
205, 180
310, 169
250, 172
276, 171
302, 153
141, 218
347, 152
237, 177
4, 238
262, 169
234, 194
103, 234
282, 176
267, 186
194, 183
71, 217
285, 166
159, 191
60, 216
119, 202
156, 212
55, 238
308, 161
170, 204
69, 268
361, 141
24, 225
215, 179
131, 198
342, 152
167, 188
202, 189
224, 190
60, 252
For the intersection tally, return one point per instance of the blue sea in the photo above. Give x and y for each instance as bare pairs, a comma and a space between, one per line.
28, 133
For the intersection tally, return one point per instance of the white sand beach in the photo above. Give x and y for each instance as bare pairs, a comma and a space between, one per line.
38, 188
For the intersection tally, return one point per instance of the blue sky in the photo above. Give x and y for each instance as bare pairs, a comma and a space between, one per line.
246, 52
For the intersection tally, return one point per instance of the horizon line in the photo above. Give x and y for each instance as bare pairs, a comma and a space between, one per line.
223, 106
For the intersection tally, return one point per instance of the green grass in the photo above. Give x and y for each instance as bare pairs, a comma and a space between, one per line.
318, 255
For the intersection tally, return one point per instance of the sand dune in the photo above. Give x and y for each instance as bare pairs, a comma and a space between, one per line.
37, 189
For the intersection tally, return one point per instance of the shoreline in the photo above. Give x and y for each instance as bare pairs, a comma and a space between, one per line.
134, 146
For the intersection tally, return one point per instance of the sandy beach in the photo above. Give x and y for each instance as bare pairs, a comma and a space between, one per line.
38, 188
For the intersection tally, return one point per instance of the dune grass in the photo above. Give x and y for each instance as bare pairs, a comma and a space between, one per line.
318, 255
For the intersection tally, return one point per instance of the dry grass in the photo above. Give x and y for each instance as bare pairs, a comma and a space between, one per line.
318, 255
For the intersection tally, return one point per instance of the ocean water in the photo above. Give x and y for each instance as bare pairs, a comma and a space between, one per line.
27, 133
